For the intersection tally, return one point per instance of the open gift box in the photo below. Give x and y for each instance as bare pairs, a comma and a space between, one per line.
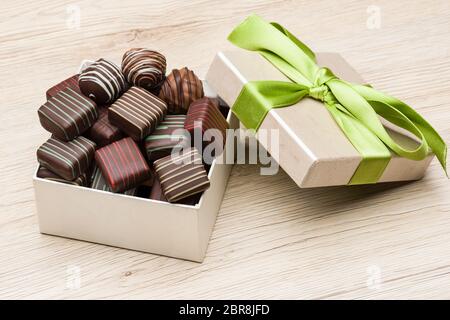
175, 230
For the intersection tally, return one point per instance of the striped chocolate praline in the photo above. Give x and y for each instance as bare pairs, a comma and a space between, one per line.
71, 82
68, 114
181, 176
168, 134
102, 131
144, 68
102, 81
99, 183
122, 165
137, 112
67, 159
180, 89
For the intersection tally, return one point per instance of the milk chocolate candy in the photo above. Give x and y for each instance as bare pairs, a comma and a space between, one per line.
180, 89
122, 165
71, 82
67, 114
99, 183
102, 81
181, 176
144, 68
137, 112
44, 173
167, 135
204, 114
67, 159
103, 132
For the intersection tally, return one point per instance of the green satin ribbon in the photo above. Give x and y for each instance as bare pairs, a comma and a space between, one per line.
355, 108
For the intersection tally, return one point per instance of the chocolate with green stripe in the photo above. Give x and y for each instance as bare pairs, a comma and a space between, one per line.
168, 134
67, 159
68, 114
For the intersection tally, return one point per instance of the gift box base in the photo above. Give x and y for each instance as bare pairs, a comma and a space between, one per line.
152, 226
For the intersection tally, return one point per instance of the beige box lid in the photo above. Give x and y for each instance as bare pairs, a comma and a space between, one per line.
312, 148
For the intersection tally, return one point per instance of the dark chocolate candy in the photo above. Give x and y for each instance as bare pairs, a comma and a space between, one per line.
102, 81
44, 173
99, 183
137, 112
67, 114
122, 165
181, 176
162, 140
67, 159
144, 68
71, 82
204, 114
180, 88
102, 131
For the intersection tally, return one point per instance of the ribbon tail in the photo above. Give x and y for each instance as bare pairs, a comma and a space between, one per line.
380, 100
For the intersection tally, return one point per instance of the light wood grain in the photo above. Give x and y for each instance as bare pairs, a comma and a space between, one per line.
272, 239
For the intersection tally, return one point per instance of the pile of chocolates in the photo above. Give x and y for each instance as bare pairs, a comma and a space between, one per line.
113, 129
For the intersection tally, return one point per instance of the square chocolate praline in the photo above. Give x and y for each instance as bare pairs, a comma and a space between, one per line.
181, 176
168, 134
137, 112
71, 82
204, 114
122, 165
69, 159
103, 132
67, 114
44, 173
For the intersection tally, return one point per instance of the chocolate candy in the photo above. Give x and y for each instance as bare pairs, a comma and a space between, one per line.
71, 82
181, 176
44, 173
122, 165
157, 194
180, 88
67, 114
102, 131
161, 142
137, 112
144, 68
99, 183
67, 159
102, 81
204, 114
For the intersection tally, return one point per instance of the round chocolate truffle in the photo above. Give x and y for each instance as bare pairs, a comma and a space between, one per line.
180, 89
144, 68
102, 81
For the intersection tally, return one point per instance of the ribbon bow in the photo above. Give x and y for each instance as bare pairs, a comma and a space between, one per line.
354, 107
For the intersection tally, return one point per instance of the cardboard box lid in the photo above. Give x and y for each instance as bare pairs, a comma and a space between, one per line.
312, 148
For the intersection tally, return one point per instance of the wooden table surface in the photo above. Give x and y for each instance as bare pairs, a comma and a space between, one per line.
271, 239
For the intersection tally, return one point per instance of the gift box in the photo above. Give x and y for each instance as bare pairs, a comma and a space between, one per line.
126, 221
313, 148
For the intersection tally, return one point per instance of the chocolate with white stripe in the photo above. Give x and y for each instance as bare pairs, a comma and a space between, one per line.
44, 173
180, 88
144, 68
122, 165
68, 114
71, 82
181, 176
102, 81
161, 142
67, 159
137, 112
102, 131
